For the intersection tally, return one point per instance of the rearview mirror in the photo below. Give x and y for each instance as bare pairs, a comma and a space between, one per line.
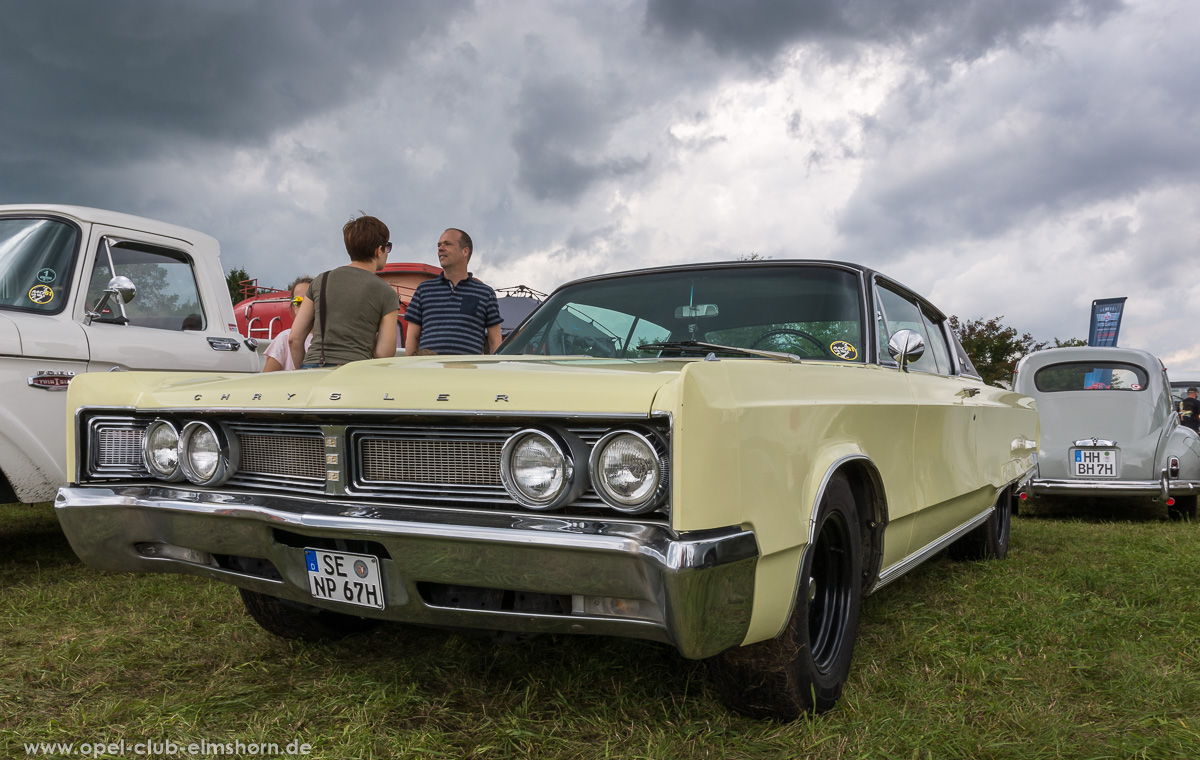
699, 310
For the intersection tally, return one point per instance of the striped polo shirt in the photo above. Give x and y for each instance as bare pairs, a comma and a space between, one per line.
453, 319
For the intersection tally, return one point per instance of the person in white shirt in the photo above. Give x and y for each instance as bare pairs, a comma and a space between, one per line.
278, 355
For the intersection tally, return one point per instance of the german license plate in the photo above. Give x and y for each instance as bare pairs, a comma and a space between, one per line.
1096, 463
342, 577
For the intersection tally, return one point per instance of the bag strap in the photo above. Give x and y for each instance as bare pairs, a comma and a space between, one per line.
324, 280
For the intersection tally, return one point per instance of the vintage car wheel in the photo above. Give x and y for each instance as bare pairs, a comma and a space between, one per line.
804, 669
990, 540
293, 620
1184, 506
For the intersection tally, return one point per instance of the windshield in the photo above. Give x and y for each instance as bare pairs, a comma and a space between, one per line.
1090, 376
36, 259
813, 311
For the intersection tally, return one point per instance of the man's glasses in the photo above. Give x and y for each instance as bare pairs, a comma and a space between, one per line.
387, 247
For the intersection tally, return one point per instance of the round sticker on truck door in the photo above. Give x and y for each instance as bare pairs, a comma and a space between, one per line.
41, 295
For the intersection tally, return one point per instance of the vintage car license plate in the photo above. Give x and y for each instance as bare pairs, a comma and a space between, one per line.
342, 577
1096, 463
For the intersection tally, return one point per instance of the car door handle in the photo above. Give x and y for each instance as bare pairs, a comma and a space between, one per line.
968, 392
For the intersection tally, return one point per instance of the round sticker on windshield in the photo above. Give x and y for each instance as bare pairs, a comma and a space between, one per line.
41, 295
1135, 387
843, 350
46, 275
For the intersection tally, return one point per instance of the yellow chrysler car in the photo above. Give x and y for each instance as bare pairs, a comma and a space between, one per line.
724, 457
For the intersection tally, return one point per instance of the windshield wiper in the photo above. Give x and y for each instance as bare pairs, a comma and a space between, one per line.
695, 346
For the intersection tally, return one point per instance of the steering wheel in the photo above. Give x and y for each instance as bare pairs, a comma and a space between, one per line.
789, 331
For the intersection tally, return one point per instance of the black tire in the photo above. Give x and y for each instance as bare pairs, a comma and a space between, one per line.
990, 540
803, 670
1184, 507
293, 620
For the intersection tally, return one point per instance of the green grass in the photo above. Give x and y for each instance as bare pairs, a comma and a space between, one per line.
1083, 644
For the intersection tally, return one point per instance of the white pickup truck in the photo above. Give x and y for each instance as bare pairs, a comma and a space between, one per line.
85, 290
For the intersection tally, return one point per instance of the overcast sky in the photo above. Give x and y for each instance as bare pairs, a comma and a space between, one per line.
1002, 157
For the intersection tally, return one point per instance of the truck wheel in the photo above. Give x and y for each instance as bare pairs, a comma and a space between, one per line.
293, 620
804, 669
1184, 506
990, 540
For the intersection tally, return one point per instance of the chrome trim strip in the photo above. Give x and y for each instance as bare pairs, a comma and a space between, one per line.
912, 560
292, 413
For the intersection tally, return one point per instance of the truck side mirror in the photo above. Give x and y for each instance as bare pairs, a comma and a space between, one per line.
123, 288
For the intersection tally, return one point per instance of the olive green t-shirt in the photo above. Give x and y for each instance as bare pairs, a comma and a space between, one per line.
356, 301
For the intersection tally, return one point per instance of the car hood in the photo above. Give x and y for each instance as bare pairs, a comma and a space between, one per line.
443, 384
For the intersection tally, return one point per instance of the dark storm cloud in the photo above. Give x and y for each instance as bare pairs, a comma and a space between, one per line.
561, 127
938, 29
1076, 132
104, 82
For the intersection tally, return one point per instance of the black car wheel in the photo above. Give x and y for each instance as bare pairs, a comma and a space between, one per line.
804, 669
990, 540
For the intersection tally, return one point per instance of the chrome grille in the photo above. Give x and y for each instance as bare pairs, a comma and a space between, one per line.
280, 455
118, 449
409, 461
283, 455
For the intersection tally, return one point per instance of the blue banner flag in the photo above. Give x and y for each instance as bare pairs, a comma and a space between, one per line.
1106, 321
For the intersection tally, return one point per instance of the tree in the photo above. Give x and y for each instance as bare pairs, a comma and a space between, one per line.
995, 348
233, 280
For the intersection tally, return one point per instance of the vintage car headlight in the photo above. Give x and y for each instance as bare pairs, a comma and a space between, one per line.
539, 468
208, 454
160, 451
628, 471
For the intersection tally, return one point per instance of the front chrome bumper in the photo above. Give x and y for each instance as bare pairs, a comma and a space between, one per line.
694, 591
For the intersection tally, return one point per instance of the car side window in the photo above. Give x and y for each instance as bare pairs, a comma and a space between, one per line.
901, 313
935, 340
168, 297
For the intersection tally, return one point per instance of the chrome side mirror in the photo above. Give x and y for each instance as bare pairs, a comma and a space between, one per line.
123, 288
906, 346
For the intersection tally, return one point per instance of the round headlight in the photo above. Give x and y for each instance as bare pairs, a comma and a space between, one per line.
537, 470
627, 471
160, 451
208, 456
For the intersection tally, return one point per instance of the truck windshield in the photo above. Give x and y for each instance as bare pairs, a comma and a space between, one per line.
814, 312
37, 257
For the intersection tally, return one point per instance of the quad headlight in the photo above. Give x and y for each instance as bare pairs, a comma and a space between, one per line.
629, 471
539, 468
208, 455
160, 451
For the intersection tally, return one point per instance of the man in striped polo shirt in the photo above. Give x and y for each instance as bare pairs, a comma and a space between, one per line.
454, 313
